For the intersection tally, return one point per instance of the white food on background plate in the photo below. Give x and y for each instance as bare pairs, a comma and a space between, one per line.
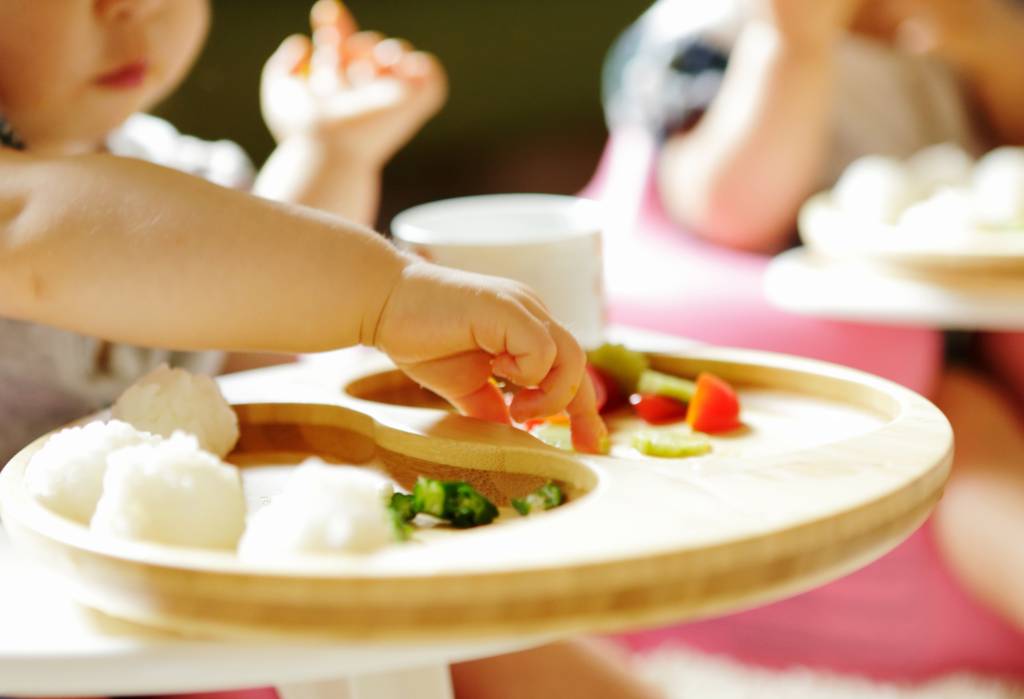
168, 400
939, 167
946, 214
997, 189
322, 509
875, 188
171, 492
66, 474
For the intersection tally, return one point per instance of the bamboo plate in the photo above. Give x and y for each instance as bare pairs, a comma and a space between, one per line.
833, 233
835, 468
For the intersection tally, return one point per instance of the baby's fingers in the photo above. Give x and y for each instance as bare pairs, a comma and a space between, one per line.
589, 433
561, 384
464, 380
291, 58
334, 16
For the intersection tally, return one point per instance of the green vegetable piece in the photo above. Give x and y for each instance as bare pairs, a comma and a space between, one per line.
402, 505
671, 443
454, 501
623, 365
666, 385
546, 497
559, 436
402, 528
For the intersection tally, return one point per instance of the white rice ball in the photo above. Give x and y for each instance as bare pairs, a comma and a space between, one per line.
66, 474
322, 509
946, 214
940, 166
997, 189
171, 492
875, 188
167, 400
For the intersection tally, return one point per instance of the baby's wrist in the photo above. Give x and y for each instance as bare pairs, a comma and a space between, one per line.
397, 272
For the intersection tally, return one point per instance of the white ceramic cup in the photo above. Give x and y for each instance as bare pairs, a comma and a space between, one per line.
549, 242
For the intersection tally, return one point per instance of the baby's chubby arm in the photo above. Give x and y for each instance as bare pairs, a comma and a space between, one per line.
137, 253
741, 174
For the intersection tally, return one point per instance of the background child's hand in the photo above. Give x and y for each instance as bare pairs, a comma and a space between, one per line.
808, 22
451, 331
356, 93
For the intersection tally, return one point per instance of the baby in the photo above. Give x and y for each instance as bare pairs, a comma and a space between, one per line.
169, 253
139, 254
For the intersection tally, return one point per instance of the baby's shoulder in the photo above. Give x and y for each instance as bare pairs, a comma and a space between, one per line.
153, 139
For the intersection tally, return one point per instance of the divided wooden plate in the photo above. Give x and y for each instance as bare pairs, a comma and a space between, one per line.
833, 233
835, 468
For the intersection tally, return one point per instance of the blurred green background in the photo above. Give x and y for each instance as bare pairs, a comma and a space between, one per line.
524, 112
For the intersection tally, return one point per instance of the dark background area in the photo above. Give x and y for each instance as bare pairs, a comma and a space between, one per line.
524, 112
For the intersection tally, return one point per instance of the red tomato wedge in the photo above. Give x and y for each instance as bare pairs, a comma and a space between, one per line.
606, 391
657, 410
715, 406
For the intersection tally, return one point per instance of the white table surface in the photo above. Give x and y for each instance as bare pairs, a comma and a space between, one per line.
801, 282
49, 645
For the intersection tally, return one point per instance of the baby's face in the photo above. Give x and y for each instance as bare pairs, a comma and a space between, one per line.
72, 70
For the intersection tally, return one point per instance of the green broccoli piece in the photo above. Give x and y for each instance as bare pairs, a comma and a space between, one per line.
453, 501
403, 506
546, 497
623, 365
400, 509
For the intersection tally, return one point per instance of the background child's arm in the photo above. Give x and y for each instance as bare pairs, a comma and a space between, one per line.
340, 106
741, 174
136, 253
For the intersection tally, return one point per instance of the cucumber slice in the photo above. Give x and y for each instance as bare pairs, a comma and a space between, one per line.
671, 443
556, 435
666, 385
623, 365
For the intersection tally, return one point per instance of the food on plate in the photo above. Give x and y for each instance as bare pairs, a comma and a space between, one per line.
997, 189
715, 407
171, 492
621, 365
939, 191
455, 502
546, 497
940, 166
674, 443
708, 404
168, 400
875, 188
66, 474
323, 509
659, 384
658, 410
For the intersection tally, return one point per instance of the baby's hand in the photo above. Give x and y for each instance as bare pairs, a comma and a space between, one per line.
451, 331
356, 93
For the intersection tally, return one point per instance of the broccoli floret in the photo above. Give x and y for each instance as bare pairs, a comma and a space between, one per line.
403, 507
453, 501
400, 509
546, 497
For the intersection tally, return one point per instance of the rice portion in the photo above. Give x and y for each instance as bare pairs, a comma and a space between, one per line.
168, 400
171, 492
